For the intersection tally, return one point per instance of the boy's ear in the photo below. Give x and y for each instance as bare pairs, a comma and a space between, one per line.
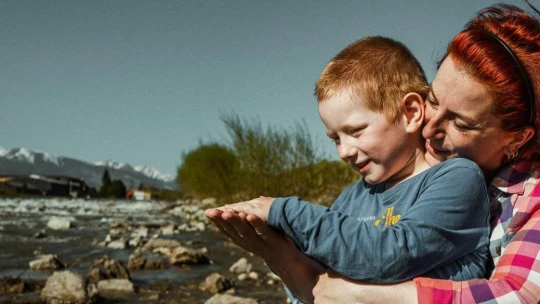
413, 112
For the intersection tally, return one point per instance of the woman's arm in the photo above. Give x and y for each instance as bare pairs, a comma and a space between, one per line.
298, 272
333, 288
516, 278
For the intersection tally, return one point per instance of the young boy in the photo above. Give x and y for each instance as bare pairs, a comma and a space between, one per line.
403, 218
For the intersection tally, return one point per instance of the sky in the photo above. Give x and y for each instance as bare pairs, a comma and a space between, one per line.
142, 82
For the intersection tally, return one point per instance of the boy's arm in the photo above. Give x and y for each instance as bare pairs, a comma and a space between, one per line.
440, 227
297, 271
514, 280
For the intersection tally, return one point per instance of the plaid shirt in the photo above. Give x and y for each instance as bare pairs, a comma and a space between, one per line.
514, 246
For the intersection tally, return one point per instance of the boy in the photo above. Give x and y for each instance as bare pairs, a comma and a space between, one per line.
403, 218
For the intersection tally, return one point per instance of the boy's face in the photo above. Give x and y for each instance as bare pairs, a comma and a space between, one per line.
366, 140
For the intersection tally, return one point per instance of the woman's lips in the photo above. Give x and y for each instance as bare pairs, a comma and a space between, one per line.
432, 150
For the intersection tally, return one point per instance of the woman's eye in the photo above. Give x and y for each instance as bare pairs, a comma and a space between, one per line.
462, 128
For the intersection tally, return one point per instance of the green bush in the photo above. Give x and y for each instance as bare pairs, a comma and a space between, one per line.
209, 171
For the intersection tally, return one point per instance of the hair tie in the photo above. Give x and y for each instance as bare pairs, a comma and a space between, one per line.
522, 71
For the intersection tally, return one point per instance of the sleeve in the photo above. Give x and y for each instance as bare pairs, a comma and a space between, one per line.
516, 278
448, 220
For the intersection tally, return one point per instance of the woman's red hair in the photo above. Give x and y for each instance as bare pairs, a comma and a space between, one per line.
486, 59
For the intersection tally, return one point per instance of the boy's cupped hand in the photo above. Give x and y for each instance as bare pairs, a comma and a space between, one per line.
259, 207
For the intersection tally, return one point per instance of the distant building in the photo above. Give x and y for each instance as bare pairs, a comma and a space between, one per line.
139, 195
46, 185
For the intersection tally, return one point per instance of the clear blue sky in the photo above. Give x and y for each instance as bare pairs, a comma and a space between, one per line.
143, 81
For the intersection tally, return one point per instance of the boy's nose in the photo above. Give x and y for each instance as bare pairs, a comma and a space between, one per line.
346, 151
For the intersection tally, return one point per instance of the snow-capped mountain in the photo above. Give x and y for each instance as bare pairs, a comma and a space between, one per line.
22, 161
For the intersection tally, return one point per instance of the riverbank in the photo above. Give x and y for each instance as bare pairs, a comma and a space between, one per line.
81, 233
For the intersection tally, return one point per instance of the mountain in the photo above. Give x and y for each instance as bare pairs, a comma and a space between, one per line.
22, 161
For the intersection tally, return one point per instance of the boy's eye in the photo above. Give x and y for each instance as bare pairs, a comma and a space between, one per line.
355, 131
431, 102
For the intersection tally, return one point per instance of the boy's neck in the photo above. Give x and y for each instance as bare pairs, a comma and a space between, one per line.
417, 163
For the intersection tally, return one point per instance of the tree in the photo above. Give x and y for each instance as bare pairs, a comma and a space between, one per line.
117, 189
209, 171
105, 184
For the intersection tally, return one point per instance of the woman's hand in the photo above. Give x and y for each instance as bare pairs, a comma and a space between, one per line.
251, 233
257, 206
333, 288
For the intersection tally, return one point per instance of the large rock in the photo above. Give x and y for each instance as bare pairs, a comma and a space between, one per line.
65, 287
106, 269
184, 255
241, 266
227, 299
46, 262
114, 288
215, 283
59, 223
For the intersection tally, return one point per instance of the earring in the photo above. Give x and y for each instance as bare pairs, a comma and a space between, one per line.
513, 155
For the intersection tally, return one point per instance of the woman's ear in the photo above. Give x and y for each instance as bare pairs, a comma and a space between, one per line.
520, 138
413, 112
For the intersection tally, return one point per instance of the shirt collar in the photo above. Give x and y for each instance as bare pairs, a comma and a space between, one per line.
512, 178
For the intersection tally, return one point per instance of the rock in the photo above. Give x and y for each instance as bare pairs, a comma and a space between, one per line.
117, 244
154, 265
228, 299
273, 276
241, 266
46, 262
160, 243
136, 261
58, 223
110, 269
253, 275
135, 242
140, 232
215, 283
114, 288
64, 287
168, 230
39, 235
184, 255
162, 251
198, 225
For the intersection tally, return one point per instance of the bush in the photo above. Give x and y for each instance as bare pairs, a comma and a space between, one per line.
209, 171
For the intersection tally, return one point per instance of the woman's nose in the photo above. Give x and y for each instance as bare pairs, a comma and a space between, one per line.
433, 125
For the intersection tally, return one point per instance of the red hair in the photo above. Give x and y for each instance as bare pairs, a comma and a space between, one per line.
486, 59
381, 69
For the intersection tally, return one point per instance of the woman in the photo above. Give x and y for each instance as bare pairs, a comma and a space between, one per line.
484, 97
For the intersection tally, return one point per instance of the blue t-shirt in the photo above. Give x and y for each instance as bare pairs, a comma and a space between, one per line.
434, 224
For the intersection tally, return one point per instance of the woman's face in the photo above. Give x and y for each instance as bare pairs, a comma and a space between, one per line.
459, 121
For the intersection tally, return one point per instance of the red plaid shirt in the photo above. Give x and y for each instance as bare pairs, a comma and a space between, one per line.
514, 246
